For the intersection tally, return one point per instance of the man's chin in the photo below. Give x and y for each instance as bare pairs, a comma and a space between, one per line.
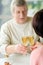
22, 21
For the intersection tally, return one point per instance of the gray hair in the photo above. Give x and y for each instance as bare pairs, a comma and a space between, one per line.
17, 3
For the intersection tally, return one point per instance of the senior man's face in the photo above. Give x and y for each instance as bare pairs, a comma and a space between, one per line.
20, 14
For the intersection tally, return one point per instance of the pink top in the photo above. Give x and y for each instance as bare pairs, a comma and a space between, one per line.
36, 57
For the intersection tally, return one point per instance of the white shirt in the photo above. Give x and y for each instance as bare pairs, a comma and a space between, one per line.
12, 33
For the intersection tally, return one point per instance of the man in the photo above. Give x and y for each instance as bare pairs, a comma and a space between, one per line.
13, 31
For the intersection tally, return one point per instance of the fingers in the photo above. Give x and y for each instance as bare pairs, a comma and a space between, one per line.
21, 49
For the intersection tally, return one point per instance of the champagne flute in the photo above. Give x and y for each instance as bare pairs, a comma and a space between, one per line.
28, 40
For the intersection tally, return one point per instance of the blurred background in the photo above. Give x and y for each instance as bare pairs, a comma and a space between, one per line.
5, 14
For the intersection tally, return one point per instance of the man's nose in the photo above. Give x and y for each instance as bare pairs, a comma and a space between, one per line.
22, 15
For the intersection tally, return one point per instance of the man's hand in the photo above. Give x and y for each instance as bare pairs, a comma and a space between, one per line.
19, 48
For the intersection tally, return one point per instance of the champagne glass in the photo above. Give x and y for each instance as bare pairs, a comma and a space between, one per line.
28, 40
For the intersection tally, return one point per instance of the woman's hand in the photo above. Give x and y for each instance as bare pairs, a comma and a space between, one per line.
36, 45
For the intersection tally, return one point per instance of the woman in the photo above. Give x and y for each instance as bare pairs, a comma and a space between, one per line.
37, 54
